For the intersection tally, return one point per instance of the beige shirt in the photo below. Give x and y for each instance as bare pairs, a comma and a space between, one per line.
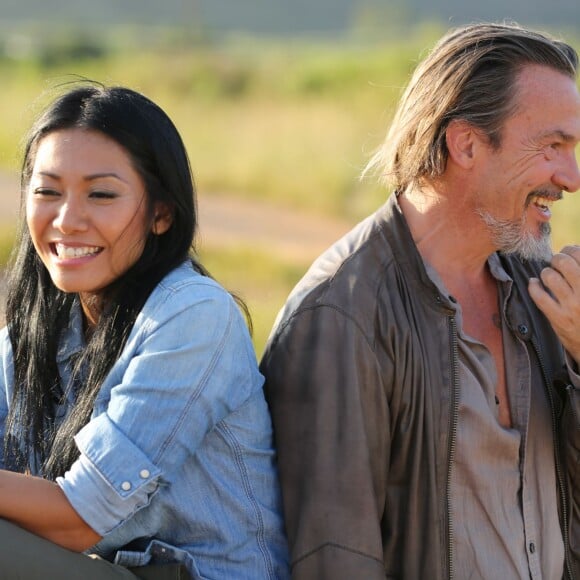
504, 500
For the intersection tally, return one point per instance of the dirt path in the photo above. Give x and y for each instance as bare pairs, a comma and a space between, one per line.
9, 198
229, 221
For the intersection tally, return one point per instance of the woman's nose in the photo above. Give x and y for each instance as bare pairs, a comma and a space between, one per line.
71, 217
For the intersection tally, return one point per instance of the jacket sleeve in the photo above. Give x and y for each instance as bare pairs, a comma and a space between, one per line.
331, 426
572, 445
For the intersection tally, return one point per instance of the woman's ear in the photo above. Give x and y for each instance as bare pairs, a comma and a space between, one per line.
162, 218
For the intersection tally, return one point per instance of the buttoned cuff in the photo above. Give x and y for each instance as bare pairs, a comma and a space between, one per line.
111, 480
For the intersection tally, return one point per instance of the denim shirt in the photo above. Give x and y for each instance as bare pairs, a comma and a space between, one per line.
177, 462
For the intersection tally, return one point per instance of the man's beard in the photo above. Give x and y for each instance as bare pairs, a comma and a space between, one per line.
512, 237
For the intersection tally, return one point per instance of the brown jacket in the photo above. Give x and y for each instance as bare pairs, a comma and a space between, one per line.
361, 378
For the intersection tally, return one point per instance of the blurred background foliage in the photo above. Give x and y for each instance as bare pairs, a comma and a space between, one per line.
284, 117
289, 122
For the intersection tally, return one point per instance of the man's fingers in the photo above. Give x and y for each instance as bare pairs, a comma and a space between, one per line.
558, 296
544, 301
562, 276
573, 251
556, 281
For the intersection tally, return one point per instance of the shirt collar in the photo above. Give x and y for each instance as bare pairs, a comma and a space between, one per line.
72, 339
496, 269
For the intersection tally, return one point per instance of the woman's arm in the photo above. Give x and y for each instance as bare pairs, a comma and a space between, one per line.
40, 506
36, 504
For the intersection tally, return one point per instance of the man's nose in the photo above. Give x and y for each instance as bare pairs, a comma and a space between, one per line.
567, 177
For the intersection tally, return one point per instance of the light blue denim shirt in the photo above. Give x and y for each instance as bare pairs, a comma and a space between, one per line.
177, 461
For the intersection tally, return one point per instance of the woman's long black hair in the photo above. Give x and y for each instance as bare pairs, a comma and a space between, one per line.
38, 313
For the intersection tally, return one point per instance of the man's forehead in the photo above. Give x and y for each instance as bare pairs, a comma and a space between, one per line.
550, 98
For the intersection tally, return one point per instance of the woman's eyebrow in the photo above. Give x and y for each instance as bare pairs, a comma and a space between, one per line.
90, 177
47, 174
94, 176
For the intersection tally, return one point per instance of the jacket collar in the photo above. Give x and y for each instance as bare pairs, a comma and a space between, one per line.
405, 251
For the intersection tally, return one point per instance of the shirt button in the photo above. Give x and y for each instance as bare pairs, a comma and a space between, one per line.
126, 486
144, 474
532, 547
523, 329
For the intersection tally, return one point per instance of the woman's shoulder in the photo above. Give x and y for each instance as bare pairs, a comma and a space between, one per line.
187, 307
184, 289
184, 282
4, 340
5, 348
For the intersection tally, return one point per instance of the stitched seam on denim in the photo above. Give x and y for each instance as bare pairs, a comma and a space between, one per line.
238, 455
196, 393
335, 545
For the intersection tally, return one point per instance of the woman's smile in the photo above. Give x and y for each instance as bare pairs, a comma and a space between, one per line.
68, 253
86, 210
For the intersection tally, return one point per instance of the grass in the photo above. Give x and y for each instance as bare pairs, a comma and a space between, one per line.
6, 243
566, 221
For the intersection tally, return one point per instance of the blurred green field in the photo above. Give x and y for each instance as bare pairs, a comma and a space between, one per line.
289, 123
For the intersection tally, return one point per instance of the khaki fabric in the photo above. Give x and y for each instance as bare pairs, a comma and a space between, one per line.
24, 556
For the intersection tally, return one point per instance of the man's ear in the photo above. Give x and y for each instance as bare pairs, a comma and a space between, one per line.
162, 218
462, 140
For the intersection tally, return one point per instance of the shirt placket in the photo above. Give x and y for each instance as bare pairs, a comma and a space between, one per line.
518, 377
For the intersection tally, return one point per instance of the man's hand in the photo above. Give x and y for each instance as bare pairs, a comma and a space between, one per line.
561, 305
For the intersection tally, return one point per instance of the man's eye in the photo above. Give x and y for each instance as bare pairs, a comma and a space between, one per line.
552, 150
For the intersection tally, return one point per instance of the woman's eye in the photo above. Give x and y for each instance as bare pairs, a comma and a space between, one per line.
45, 192
103, 195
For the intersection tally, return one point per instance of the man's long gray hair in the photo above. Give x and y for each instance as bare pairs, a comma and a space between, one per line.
471, 75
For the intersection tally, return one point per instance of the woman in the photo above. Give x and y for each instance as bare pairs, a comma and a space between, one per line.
134, 425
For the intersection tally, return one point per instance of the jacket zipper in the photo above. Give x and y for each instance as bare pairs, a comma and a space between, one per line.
557, 459
453, 416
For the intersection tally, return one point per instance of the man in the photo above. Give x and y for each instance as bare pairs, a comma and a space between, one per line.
423, 375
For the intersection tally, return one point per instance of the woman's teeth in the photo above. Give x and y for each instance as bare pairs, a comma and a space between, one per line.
76, 252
